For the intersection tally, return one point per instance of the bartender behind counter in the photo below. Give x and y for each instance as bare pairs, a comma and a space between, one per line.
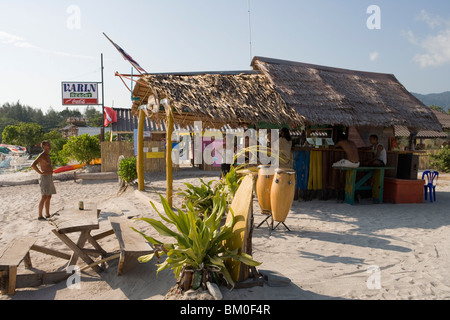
351, 153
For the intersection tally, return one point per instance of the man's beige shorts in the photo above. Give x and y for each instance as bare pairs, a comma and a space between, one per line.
47, 185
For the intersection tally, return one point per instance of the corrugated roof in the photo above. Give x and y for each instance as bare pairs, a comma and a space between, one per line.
443, 118
401, 131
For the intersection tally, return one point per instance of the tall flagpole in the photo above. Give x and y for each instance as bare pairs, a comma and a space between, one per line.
103, 101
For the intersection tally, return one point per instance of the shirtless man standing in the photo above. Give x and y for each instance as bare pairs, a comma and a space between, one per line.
45, 171
351, 153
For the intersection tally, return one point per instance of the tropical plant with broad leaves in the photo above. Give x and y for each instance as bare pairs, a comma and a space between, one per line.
201, 197
199, 244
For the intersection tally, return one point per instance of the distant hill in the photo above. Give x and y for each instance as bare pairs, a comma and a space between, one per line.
437, 99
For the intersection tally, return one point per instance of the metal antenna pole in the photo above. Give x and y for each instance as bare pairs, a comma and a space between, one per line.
250, 30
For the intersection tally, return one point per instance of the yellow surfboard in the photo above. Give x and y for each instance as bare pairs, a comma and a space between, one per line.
242, 206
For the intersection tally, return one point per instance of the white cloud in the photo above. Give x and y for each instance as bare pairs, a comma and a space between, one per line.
373, 56
436, 47
432, 20
437, 50
409, 35
10, 39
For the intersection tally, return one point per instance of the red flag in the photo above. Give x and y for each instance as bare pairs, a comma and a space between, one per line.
110, 116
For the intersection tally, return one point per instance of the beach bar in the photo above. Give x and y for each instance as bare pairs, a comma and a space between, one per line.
318, 101
237, 99
358, 103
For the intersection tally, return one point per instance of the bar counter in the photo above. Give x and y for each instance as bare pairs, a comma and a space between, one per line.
315, 177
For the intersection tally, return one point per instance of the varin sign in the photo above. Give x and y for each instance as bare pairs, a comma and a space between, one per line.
80, 93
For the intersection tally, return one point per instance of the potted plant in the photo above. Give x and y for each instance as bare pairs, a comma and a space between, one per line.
198, 252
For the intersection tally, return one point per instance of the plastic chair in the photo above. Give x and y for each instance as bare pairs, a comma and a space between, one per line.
431, 178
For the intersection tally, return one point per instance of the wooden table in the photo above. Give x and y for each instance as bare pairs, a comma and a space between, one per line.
351, 185
83, 221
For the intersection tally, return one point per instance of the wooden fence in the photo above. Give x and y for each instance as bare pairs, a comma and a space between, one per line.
424, 159
112, 150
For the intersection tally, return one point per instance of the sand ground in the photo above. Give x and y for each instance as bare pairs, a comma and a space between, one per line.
333, 251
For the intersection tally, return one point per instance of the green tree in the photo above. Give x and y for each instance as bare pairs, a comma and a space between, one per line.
52, 120
24, 134
57, 141
95, 117
4, 122
437, 108
10, 134
83, 148
441, 161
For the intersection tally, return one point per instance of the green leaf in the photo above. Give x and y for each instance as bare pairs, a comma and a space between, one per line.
146, 258
248, 260
148, 238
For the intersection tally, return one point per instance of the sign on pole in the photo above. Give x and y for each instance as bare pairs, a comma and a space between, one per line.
80, 93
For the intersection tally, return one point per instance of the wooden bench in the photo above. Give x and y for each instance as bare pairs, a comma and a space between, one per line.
18, 250
351, 185
132, 245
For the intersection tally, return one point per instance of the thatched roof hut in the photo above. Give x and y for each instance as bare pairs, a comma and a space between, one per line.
238, 99
325, 95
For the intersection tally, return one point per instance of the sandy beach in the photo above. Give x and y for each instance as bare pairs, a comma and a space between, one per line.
333, 251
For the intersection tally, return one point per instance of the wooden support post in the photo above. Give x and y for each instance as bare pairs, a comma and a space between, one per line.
378, 185
169, 176
12, 280
350, 177
140, 151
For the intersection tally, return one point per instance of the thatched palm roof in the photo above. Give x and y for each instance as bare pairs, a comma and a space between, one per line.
325, 95
222, 98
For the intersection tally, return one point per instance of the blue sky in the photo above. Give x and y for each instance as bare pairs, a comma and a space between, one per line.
43, 43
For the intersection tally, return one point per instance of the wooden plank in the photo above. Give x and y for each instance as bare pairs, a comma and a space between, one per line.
378, 185
359, 184
77, 249
129, 240
350, 179
242, 206
97, 176
73, 220
101, 261
131, 244
169, 174
27, 261
12, 276
364, 168
140, 151
95, 244
15, 252
155, 155
3, 281
51, 252
38, 279
103, 234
